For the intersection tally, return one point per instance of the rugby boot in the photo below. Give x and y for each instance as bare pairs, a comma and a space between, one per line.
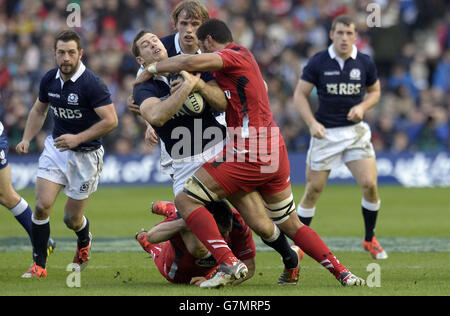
35, 271
82, 256
374, 248
226, 275
291, 276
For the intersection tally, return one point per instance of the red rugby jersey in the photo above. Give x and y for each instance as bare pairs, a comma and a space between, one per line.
249, 110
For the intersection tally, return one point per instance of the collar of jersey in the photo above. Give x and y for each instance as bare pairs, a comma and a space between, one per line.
76, 75
334, 56
178, 47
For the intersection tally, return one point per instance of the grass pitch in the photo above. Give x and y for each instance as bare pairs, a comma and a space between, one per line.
412, 222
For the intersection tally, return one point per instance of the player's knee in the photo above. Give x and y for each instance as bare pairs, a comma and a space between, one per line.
9, 198
73, 222
281, 211
369, 187
313, 191
42, 210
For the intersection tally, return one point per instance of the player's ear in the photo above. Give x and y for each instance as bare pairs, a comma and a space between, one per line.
81, 53
140, 60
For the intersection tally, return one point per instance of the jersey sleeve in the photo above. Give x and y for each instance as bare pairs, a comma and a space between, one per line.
43, 92
309, 72
242, 243
100, 95
143, 92
372, 74
230, 58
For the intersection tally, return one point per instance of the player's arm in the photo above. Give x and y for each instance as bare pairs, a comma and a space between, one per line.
108, 121
356, 113
166, 230
302, 91
157, 112
190, 63
213, 94
35, 121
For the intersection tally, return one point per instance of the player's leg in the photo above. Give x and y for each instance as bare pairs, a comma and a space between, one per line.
198, 191
12, 201
315, 183
365, 173
253, 211
75, 220
46, 193
306, 238
190, 203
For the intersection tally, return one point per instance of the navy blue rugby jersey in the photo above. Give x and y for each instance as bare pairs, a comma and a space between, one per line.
339, 89
183, 135
73, 104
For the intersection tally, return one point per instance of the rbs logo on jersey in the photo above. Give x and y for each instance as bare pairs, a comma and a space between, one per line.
343, 88
66, 113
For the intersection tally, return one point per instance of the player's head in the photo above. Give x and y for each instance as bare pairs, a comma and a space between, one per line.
147, 48
213, 35
223, 216
343, 34
68, 51
187, 16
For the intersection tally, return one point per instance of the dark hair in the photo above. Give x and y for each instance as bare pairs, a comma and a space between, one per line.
193, 8
218, 30
135, 49
344, 19
222, 213
67, 36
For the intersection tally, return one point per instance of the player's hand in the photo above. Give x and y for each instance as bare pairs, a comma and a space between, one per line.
23, 147
190, 79
317, 130
66, 142
197, 281
144, 76
134, 108
151, 139
356, 114
176, 84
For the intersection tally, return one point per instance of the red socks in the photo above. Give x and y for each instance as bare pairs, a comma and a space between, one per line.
203, 225
308, 240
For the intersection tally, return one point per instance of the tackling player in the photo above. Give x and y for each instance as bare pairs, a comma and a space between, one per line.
342, 76
175, 249
160, 105
256, 160
82, 112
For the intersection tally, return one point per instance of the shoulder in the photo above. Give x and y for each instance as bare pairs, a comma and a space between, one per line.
365, 59
169, 43
319, 58
49, 75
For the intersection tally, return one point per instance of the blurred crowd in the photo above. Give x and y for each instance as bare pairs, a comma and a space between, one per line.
410, 45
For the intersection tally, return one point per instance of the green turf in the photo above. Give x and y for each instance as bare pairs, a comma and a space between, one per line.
413, 214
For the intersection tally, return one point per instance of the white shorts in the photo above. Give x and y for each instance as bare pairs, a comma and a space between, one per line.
185, 168
340, 145
79, 172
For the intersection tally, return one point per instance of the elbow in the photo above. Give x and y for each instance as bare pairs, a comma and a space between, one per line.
151, 116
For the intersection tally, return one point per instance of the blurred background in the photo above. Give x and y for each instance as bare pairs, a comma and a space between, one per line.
410, 47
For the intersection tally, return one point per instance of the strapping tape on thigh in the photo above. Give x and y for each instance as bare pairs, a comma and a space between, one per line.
279, 212
197, 191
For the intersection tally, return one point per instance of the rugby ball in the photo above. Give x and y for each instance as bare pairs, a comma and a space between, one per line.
194, 104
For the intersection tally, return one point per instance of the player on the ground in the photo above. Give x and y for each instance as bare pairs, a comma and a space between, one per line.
82, 111
205, 136
179, 255
9, 198
339, 135
255, 159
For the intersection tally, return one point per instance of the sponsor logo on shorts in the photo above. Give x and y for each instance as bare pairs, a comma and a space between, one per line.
2, 158
84, 187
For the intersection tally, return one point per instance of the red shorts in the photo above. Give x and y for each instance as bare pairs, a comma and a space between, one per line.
267, 178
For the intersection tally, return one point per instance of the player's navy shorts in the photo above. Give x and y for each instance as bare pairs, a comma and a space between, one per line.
3, 151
